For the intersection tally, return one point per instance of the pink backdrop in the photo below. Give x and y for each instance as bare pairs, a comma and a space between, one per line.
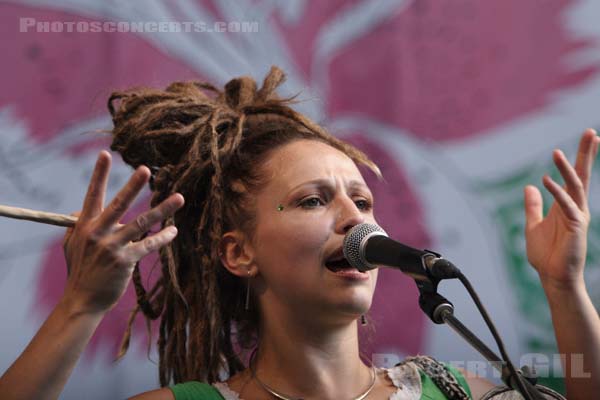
427, 75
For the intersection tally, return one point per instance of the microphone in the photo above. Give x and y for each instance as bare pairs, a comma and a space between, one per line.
367, 246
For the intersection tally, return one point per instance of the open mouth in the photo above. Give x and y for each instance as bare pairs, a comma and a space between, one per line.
338, 264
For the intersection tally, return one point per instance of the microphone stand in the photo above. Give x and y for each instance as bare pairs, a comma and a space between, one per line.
440, 311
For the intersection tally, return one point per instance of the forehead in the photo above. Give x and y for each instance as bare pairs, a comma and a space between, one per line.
304, 160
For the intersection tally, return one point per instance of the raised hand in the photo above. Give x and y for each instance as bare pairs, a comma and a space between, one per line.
556, 247
556, 244
100, 255
100, 252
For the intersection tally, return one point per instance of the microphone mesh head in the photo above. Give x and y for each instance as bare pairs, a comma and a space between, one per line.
354, 242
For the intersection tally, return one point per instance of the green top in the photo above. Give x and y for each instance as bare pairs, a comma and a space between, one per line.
194, 390
202, 391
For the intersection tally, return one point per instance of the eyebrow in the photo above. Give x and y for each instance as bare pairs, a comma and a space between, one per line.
326, 182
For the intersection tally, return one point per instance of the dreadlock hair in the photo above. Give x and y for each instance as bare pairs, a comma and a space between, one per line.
209, 146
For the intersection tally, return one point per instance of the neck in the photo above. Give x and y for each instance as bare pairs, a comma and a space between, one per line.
303, 358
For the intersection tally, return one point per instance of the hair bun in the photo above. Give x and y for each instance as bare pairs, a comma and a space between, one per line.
158, 128
155, 127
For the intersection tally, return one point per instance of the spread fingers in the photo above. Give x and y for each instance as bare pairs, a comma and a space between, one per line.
142, 223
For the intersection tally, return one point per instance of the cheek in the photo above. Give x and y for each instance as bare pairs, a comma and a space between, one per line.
306, 239
293, 242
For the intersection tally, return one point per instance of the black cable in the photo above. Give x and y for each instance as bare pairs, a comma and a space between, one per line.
513, 373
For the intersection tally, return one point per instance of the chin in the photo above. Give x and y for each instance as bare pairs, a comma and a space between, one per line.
356, 306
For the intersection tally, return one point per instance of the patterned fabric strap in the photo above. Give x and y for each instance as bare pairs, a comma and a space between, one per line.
440, 375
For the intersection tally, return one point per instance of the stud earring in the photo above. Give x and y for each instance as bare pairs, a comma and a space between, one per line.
363, 320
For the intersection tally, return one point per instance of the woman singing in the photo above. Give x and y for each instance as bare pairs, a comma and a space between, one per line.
255, 299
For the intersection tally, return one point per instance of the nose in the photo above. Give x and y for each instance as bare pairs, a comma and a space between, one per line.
349, 216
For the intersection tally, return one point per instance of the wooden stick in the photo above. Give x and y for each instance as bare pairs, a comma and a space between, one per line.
38, 216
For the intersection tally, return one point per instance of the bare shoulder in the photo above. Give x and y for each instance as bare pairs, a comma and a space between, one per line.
158, 394
479, 386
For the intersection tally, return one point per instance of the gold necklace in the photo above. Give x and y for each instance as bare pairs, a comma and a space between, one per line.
282, 396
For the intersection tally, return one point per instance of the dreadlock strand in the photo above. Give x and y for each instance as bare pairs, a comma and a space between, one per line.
274, 78
125, 340
213, 262
141, 294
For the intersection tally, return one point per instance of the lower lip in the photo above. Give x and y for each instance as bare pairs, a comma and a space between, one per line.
351, 274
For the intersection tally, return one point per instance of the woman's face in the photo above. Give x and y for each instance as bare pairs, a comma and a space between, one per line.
313, 196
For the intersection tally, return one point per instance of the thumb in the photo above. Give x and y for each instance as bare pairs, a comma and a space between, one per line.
69, 231
533, 207
66, 238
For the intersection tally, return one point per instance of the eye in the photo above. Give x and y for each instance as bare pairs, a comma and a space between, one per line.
363, 204
311, 202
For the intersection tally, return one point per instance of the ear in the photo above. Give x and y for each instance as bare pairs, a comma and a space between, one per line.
237, 254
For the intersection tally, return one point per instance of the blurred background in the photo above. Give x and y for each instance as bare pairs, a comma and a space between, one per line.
461, 103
